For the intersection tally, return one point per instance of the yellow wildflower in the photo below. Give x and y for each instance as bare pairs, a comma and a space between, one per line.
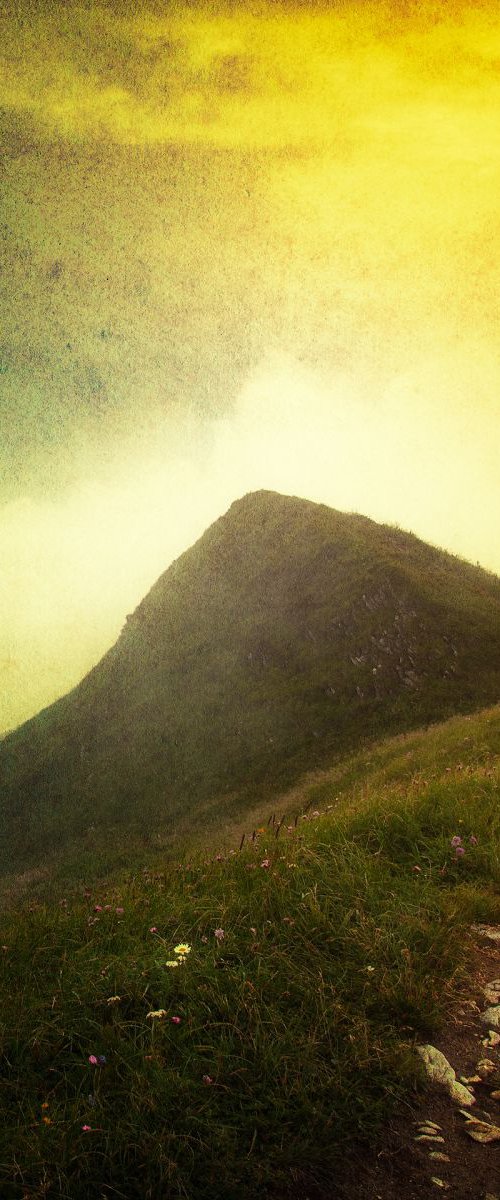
173, 962
157, 1013
182, 949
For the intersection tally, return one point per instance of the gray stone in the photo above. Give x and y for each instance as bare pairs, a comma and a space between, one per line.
493, 1039
492, 932
439, 1070
491, 1017
485, 1067
481, 1131
492, 991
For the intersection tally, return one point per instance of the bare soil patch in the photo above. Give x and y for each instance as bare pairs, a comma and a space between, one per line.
400, 1168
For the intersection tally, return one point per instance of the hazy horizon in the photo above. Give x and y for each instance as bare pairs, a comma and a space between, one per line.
242, 246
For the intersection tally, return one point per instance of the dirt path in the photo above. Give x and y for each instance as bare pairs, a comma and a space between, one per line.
402, 1168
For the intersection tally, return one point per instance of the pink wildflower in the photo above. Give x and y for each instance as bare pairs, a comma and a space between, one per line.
97, 907
459, 850
153, 929
265, 863
456, 841
219, 934
175, 1020
87, 1128
119, 911
473, 840
207, 1079
93, 1060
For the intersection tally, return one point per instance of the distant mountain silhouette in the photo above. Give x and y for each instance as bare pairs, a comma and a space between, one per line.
287, 634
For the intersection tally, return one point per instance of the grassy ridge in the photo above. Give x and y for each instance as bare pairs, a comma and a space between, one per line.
341, 938
287, 636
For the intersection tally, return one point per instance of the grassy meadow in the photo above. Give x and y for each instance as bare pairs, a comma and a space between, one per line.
234, 1018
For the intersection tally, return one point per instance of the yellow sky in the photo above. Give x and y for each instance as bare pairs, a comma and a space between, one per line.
241, 247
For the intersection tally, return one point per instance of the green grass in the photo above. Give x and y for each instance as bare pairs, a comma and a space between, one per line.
336, 956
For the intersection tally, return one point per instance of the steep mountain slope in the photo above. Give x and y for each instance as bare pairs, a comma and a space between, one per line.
288, 633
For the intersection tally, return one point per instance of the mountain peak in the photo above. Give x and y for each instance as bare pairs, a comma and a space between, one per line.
262, 500
287, 634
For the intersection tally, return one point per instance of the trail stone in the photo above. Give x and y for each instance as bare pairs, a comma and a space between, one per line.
439, 1182
429, 1137
491, 1017
492, 991
482, 1132
493, 1039
492, 932
439, 1070
485, 1067
438, 1156
461, 1094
